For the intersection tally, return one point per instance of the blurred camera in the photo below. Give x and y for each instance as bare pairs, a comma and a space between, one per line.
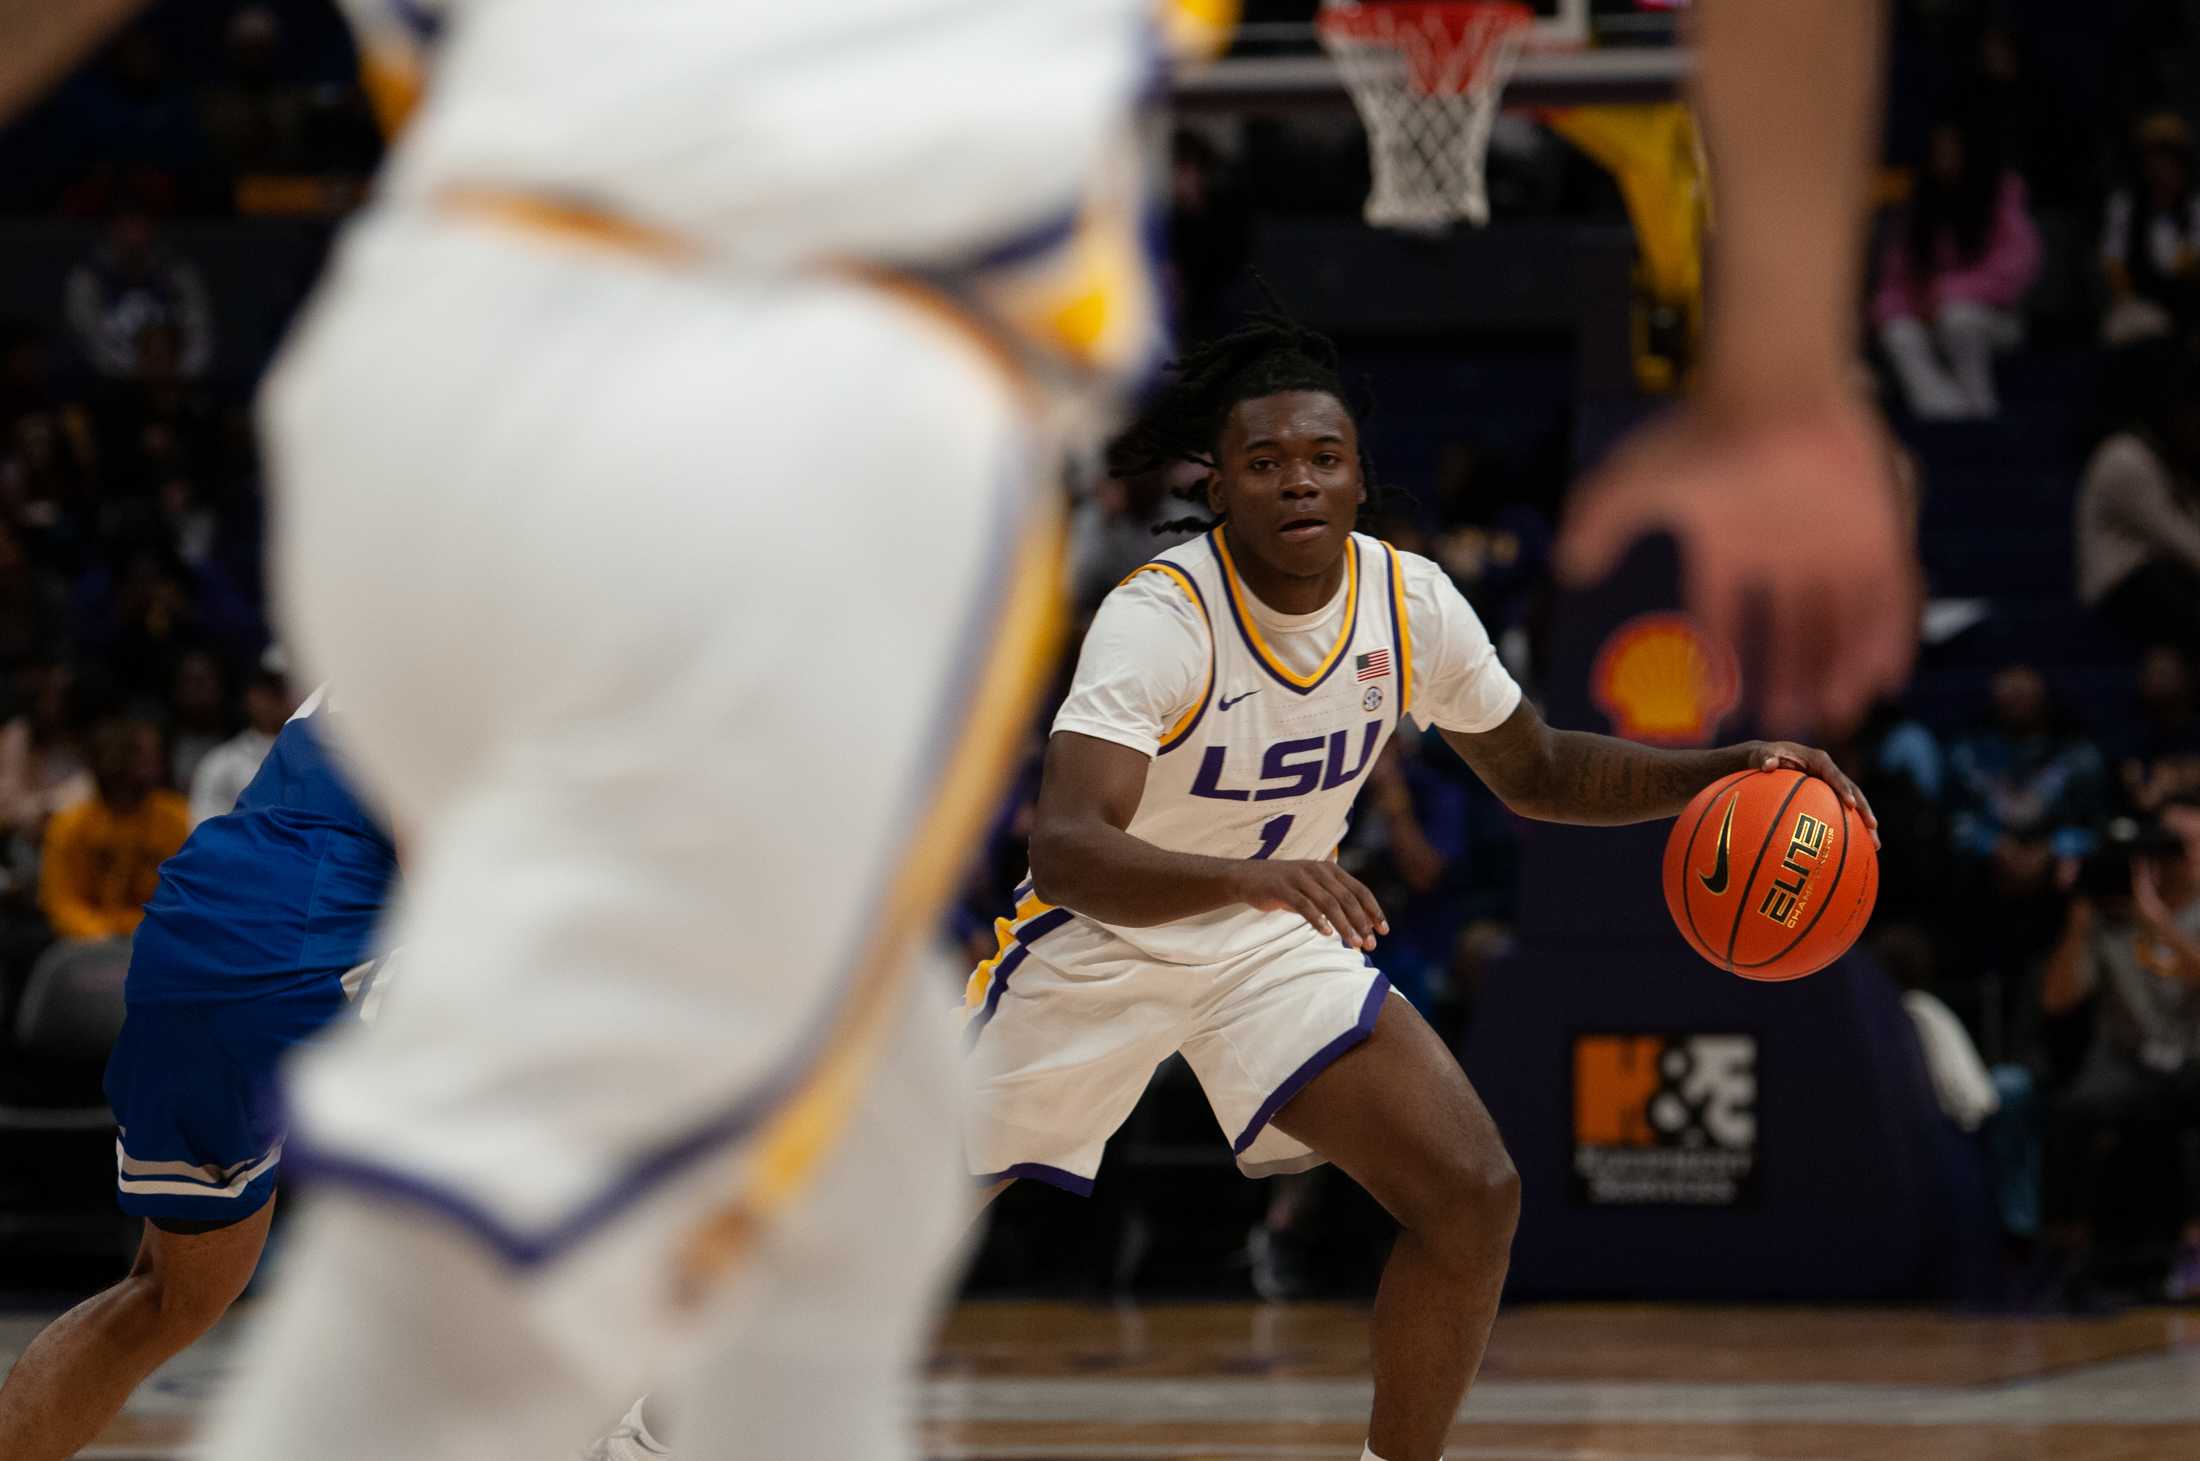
2106, 873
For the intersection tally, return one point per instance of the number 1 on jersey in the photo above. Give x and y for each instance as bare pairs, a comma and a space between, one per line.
1272, 835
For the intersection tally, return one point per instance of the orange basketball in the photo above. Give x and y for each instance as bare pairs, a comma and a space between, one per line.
1769, 876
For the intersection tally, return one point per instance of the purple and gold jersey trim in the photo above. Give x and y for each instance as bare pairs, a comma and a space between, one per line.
1250, 632
1199, 30
1032, 921
1189, 720
1401, 632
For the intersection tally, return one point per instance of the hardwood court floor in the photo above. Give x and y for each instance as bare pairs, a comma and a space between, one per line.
1239, 1382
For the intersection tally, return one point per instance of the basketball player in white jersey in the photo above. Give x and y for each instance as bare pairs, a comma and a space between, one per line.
667, 467
699, 373
1227, 705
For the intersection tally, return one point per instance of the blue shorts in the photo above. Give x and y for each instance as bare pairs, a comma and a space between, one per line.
193, 1088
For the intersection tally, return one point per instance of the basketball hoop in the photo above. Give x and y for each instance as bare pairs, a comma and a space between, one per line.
1426, 76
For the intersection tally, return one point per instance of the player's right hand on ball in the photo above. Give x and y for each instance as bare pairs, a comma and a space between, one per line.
1322, 893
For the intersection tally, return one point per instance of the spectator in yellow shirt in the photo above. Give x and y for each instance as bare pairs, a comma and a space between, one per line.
102, 856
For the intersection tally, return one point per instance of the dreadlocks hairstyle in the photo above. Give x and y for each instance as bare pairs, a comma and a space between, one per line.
1183, 419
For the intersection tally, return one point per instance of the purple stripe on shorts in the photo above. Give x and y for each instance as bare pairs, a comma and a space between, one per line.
1038, 1172
1315, 1064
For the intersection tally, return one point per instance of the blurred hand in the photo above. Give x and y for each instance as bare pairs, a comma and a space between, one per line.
2146, 894
1791, 516
1773, 755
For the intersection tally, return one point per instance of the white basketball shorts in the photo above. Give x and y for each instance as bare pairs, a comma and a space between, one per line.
1065, 1041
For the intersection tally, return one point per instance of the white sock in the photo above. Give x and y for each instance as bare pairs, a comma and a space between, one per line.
1367, 1453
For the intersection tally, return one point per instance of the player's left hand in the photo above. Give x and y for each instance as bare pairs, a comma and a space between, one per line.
1775, 755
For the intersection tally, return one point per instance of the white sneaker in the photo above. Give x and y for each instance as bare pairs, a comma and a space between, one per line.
629, 1441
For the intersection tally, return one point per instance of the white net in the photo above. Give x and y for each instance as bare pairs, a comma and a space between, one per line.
1426, 79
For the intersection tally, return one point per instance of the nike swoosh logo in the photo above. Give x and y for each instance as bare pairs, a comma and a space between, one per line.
1229, 700
1714, 882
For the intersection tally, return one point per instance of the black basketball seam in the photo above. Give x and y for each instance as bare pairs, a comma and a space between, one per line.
1824, 902
1859, 932
1734, 936
1872, 893
1688, 855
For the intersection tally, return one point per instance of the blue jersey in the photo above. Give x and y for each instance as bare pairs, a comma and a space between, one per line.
282, 893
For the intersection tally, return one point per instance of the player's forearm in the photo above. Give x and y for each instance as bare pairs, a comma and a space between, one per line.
1103, 872
1602, 781
1789, 97
41, 39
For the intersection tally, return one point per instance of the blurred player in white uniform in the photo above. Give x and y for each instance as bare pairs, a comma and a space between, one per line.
668, 458
1184, 898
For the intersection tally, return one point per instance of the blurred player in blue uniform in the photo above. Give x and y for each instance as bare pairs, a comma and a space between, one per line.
260, 934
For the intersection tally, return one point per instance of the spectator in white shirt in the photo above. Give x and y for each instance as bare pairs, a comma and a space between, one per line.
230, 766
2138, 519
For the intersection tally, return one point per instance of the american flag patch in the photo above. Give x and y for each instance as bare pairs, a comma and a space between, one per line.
1374, 665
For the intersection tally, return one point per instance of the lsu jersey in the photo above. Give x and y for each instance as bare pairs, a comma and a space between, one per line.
1268, 751
1272, 726
1267, 761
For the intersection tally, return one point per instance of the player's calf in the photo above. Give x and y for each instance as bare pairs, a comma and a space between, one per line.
75, 1375
183, 1281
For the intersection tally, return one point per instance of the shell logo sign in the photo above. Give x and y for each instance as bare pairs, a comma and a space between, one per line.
1661, 680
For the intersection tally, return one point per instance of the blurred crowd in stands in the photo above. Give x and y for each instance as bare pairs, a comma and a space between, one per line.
2036, 268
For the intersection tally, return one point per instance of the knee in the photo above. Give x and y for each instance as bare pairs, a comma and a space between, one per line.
177, 1308
160, 1315
1471, 1204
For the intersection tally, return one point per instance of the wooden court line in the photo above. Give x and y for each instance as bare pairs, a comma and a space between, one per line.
1136, 1451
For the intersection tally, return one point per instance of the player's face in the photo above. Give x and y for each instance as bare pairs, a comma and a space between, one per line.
1288, 477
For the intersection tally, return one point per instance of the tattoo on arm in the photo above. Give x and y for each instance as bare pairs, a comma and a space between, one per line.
1591, 780
1604, 781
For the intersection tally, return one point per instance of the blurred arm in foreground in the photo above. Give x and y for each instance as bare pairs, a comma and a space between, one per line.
40, 40
1774, 477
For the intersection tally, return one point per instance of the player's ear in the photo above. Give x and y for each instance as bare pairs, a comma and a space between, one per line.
1212, 488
